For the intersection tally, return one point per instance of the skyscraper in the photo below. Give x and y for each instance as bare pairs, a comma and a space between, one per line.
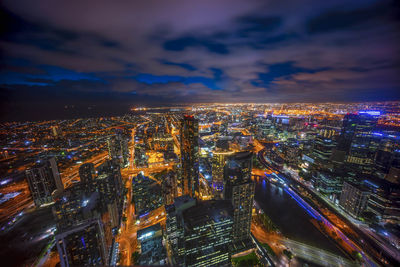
175, 227
354, 198
323, 146
239, 190
83, 245
190, 156
208, 234
363, 122
357, 141
218, 163
43, 179
88, 216
118, 149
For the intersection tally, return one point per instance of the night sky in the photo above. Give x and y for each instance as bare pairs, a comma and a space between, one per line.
61, 59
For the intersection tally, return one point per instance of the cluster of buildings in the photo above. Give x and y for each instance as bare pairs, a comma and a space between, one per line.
87, 214
208, 232
353, 159
203, 227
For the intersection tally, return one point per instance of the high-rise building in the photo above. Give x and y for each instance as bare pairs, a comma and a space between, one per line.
169, 189
363, 122
357, 143
384, 201
118, 149
141, 159
190, 156
43, 179
83, 245
152, 251
218, 163
147, 194
88, 216
208, 234
387, 160
354, 198
323, 146
239, 190
175, 227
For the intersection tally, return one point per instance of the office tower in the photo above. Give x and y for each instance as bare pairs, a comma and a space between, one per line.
84, 236
118, 149
218, 163
357, 143
43, 179
384, 201
152, 251
169, 188
239, 190
146, 193
323, 146
329, 183
141, 159
208, 234
83, 245
175, 227
87, 172
387, 160
363, 122
88, 218
354, 198
74, 205
190, 156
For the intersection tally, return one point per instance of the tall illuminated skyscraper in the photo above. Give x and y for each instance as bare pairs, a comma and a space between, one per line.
43, 180
190, 156
219, 160
208, 234
118, 149
239, 190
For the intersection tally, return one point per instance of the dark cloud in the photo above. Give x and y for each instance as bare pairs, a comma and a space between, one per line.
153, 52
338, 19
184, 42
182, 65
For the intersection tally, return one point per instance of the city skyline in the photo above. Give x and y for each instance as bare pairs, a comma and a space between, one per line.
205, 185
227, 133
64, 59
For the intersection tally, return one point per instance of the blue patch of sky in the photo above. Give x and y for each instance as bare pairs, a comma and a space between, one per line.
164, 79
50, 74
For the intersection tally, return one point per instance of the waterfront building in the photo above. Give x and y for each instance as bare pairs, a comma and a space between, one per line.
354, 198
239, 190
384, 201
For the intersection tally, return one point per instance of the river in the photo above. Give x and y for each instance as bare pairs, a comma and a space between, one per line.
290, 217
